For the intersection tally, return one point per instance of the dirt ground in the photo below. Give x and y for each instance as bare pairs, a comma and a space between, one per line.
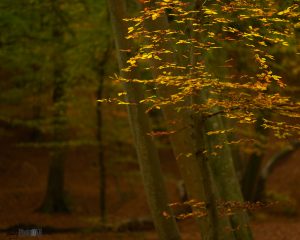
23, 181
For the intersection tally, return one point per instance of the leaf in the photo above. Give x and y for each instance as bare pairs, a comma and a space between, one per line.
263, 43
157, 57
211, 34
130, 29
122, 94
146, 56
182, 42
275, 77
270, 56
210, 11
215, 132
132, 62
285, 12
155, 16
123, 103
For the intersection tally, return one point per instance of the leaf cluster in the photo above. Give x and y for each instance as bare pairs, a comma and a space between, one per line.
180, 54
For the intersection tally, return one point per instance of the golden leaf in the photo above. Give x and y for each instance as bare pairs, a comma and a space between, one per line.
130, 29
155, 16
210, 11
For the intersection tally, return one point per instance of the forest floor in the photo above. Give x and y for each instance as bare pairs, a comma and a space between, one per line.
23, 175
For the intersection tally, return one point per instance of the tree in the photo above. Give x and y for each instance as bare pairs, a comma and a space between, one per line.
30, 54
33, 45
24, 82
146, 151
54, 200
187, 139
212, 31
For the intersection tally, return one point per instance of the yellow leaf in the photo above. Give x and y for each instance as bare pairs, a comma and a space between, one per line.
285, 43
182, 42
211, 34
131, 62
286, 11
155, 16
248, 119
146, 56
262, 43
122, 93
275, 77
130, 29
179, 21
270, 56
123, 103
210, 12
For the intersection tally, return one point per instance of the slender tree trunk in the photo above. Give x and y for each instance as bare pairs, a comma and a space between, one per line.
102, 167
211, 205
54, 200
146, 151
101, 160
224, 173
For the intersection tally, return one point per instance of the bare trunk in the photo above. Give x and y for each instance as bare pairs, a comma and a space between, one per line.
224, 173
54, 200
101, 160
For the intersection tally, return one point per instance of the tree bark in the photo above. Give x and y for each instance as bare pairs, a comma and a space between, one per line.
100, 69
222, 166
146, 151
225, 177
54, 200
188, 146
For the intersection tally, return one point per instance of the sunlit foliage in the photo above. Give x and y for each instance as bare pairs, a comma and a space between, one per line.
181, 52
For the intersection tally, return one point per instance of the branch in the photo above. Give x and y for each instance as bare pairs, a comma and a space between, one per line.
209, 115
277, 158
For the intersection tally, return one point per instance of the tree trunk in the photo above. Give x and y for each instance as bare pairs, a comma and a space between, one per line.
146, 151
222, 166
187, 144
102, 167
54, 200
253, 168
100, 69
224, 173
